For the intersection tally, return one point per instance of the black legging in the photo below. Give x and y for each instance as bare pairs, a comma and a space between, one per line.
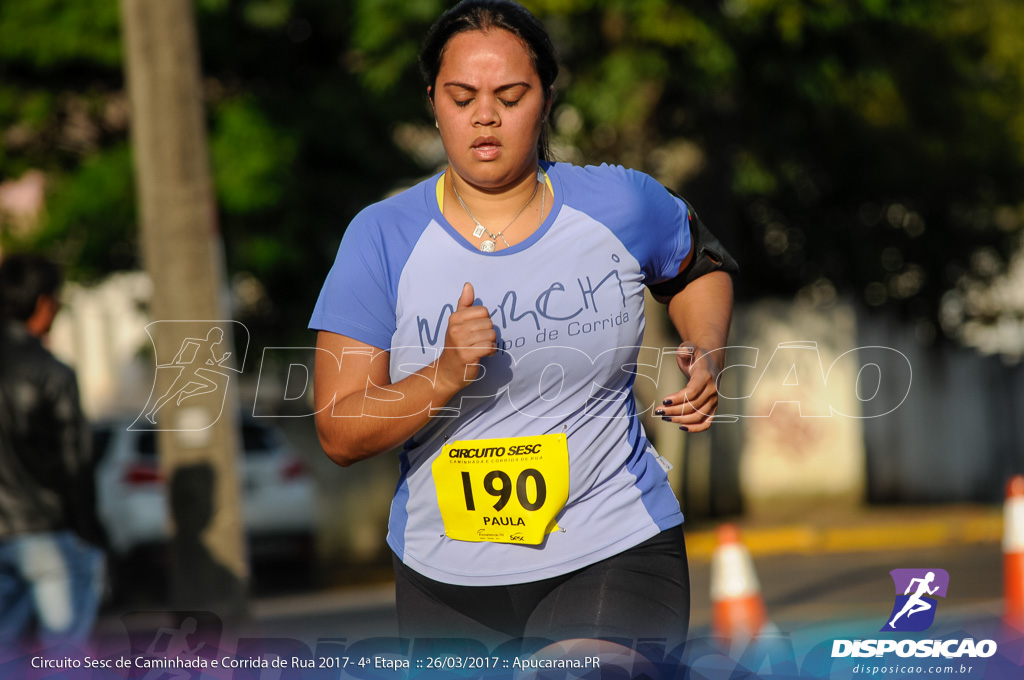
641, 592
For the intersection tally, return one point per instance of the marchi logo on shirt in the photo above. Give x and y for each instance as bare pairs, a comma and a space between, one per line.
557, 303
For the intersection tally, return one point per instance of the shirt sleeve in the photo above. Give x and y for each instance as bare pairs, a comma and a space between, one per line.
357, 298
652, 223
664, 239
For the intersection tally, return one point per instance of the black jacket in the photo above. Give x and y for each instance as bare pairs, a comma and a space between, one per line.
46, 470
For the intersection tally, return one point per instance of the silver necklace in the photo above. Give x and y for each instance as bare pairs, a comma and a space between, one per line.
487, 245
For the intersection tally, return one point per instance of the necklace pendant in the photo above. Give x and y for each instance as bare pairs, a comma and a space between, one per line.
479, 231
487, 246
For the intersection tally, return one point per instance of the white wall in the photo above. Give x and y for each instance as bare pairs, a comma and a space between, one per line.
101, 332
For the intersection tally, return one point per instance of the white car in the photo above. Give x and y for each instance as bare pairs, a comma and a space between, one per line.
278, 496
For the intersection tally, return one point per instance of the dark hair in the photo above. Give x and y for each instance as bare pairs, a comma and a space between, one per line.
483, 15
23, 279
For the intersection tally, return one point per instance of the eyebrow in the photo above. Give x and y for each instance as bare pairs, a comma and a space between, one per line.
502, 88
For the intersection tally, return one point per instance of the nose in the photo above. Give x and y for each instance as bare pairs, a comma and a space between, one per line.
486, 112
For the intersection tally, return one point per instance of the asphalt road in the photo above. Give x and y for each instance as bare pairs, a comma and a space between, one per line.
799, 591
802, 589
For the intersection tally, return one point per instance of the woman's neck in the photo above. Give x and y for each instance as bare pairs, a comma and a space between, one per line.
493, 207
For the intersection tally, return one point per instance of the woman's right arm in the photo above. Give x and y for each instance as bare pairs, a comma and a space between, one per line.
361, 413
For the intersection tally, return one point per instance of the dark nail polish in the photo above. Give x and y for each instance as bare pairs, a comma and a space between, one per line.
667, 402
659, 411
666, 419
684, 428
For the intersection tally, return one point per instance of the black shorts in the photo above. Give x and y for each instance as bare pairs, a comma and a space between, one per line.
641, 592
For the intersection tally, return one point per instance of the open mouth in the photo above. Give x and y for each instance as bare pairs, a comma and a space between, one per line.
486, 148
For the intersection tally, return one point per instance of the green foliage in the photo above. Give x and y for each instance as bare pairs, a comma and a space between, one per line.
60, 65
870, 148
90, 217
50, 33
251, 157
386, 36
269, 14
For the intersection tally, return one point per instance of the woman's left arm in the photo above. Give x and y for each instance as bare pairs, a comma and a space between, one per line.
701, 313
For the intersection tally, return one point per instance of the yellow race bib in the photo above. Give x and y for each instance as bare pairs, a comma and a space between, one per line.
502, 490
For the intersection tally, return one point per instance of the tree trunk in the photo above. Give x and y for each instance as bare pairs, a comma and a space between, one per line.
181, 248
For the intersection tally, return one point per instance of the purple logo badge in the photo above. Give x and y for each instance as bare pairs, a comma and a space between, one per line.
916, 590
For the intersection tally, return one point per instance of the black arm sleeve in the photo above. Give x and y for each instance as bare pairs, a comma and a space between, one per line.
709, 255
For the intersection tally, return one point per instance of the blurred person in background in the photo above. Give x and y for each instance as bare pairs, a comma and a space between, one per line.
436, 304
51, 568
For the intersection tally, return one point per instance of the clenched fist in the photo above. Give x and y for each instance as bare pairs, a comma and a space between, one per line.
470, 337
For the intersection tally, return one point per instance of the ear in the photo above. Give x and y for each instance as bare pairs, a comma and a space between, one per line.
42, 317
433, 109
550, 102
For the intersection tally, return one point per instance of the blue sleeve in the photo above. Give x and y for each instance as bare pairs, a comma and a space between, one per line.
653, 224
357, 299
660, 238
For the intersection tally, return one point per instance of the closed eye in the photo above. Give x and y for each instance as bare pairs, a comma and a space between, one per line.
509, 95
508, 104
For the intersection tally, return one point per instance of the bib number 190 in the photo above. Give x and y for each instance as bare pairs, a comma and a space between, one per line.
488, 491
498, 484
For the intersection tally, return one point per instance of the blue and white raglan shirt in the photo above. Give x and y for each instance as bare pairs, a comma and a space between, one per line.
567, 304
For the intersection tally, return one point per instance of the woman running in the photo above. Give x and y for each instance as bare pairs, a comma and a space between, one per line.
488, 322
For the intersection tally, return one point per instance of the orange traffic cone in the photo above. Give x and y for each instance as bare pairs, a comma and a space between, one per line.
1013, 553
737, 608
